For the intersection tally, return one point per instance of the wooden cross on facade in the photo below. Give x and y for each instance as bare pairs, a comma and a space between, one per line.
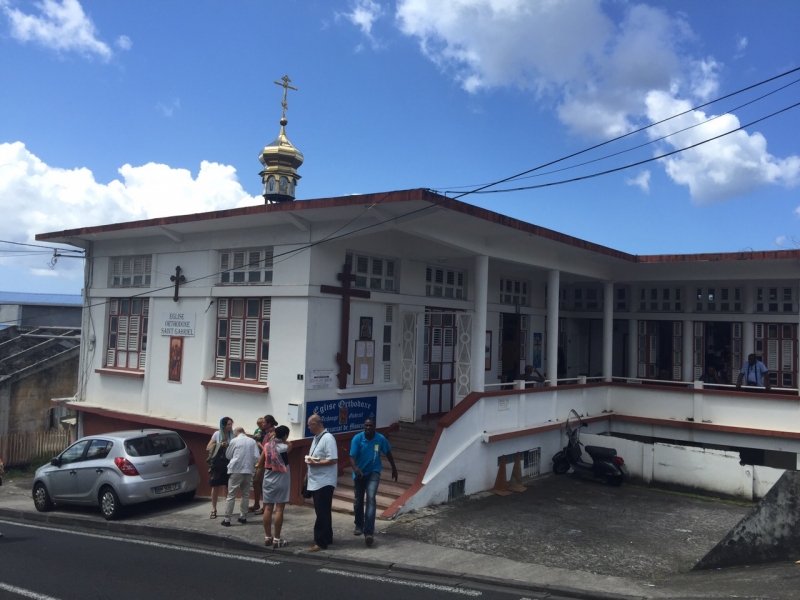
346, 292
178, 279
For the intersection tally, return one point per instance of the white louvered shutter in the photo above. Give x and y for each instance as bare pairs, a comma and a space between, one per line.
219, 368
236, 328
114, 307
408, 349
222, 307
266, 308
134, 325
142, 361
122, 333
787, 355
263, 371
111, 357
251, 339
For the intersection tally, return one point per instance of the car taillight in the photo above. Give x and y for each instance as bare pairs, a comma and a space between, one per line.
125, 466
191, 458
619, 460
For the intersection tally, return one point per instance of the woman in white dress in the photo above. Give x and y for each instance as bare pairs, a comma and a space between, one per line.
275, 491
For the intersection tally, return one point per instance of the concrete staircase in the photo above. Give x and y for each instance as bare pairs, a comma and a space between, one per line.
409, 444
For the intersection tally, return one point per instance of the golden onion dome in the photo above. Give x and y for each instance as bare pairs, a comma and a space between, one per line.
281, 160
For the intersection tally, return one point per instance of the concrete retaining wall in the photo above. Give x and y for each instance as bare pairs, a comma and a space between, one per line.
768, 533
715, 471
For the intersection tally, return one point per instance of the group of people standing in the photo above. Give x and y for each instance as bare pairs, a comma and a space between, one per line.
238, 461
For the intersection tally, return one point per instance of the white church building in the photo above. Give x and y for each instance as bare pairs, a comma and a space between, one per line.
419, 309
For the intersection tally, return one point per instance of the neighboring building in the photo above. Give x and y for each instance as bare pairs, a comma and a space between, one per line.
31, 310
448, 301
39, 355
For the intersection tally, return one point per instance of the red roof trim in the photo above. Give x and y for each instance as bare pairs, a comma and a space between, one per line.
434, 198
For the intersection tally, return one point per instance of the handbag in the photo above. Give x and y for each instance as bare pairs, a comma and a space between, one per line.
304, 492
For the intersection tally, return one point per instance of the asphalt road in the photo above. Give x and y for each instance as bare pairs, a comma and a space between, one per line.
53, 564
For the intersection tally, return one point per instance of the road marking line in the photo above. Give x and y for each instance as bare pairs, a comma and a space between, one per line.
23, 592
418, 584
147, 543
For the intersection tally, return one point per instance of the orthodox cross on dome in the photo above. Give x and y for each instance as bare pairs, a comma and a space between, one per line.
346, 292
286, 87
178, 279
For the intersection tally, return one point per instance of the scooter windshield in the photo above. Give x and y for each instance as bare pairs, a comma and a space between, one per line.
573, 422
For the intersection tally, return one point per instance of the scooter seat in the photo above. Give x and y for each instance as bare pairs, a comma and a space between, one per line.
600, 452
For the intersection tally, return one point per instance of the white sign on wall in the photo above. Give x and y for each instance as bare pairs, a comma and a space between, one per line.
177, 323
320, 379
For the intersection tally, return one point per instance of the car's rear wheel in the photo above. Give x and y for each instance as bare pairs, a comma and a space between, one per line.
186, 496
41, 499
110, 505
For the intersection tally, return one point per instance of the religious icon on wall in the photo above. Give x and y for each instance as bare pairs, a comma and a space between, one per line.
365, 328
488, 352
537, 350
175, 359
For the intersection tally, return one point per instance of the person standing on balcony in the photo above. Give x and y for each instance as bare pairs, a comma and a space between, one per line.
754, 373
365, 459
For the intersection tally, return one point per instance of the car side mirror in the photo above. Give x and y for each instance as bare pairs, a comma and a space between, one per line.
56, 462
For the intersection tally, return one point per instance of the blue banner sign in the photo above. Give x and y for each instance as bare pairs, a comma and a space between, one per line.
341, 416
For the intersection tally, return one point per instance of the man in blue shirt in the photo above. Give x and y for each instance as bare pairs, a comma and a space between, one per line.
365, 459
754, 373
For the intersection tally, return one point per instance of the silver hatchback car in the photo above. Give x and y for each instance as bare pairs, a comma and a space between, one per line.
118, 469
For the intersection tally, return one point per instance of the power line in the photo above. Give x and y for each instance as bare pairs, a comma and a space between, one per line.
653, 141
40, 246
636, 164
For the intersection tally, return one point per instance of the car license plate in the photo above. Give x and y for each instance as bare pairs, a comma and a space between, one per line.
161, 489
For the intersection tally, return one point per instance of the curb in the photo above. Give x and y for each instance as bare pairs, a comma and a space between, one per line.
195, 537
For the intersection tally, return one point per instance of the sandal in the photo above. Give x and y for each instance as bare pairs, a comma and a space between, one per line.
268, 541
213, 514
279, 543
260, 511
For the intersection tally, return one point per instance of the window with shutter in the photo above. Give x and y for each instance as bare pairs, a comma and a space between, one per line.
242, 340
246, 267
126, 340
377, 273
130, 271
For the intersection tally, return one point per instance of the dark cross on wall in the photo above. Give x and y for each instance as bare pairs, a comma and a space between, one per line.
346, 292
178, 279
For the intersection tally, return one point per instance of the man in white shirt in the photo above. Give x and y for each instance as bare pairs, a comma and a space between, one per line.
323, 471
243, 455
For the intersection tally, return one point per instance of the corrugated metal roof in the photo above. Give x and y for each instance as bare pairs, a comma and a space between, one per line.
45, 299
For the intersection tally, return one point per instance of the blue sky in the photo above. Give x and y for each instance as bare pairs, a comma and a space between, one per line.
115, 111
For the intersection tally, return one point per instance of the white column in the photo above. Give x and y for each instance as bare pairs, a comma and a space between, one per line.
748, 329
608, 329
687, 351
797, 349
479, 323
633, 347
553, 286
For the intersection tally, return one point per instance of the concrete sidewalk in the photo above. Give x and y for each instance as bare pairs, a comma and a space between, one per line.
399, 548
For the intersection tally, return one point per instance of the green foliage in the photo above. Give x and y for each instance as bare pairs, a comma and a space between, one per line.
22, 471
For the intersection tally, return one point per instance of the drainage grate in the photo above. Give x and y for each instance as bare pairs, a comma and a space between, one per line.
456, 490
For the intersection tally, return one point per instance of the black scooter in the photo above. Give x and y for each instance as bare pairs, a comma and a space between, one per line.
606, 466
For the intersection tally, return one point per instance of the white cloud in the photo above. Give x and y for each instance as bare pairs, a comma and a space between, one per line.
600, 75
781, 241
38, 198
741, 44
60, 26
124, 42
169, 109
725, 168
363, 14
642, 180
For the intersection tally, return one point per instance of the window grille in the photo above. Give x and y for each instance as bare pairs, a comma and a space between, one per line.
373, 272
445, 283
514, 291
131, 271
456, 490
246, 266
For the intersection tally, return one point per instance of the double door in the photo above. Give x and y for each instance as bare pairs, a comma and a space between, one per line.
440, 334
